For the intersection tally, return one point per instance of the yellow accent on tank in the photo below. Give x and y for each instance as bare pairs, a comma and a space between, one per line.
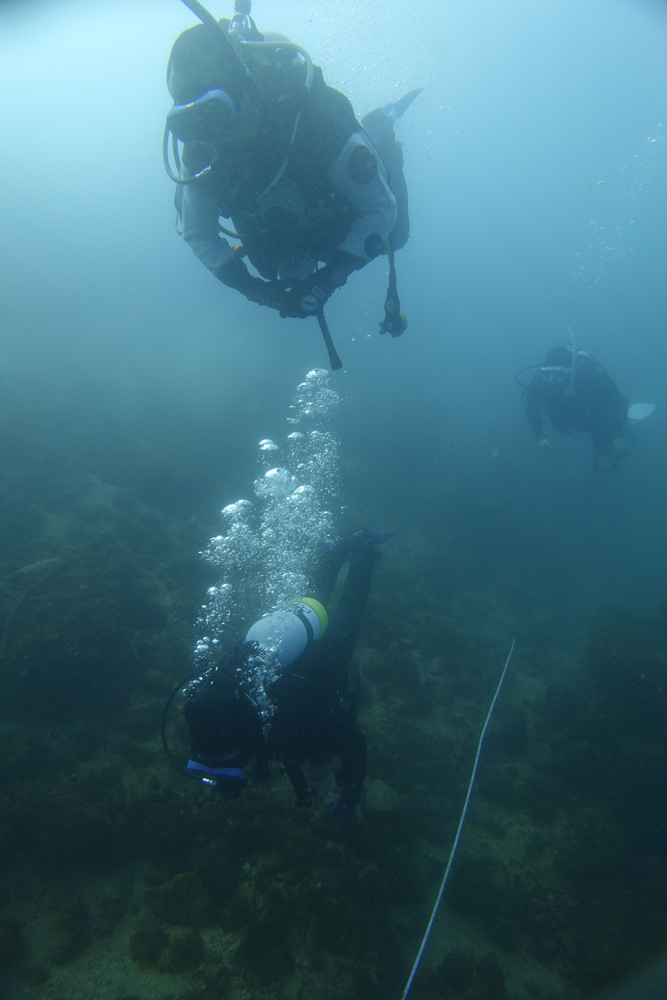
404, 318
319, 610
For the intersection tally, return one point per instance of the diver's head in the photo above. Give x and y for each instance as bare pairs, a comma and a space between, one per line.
206, 80
225, 734
199, 62
556, 368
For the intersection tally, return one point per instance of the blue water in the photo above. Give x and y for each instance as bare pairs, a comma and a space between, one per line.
536, 162
536, 159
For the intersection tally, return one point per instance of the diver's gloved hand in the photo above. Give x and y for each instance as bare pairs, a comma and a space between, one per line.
545, 444
235, 274
620, 450
394, 321
308, 296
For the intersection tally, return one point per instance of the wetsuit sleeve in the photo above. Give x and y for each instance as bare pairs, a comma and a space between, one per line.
201, 230
359, 175
534, 410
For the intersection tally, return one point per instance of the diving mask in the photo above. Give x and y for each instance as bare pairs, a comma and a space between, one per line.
207, 120
554, 374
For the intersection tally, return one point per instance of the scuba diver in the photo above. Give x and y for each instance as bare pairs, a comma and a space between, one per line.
575, 393
285, 694
268, 145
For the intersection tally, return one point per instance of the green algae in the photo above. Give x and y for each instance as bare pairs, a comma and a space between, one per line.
126, 881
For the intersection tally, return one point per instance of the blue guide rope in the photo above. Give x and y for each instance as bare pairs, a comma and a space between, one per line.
458, 832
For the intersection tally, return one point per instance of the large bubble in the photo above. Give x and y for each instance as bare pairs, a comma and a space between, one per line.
276, 483
269, 549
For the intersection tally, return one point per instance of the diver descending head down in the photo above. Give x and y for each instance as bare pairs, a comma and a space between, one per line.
285, 694
258, 138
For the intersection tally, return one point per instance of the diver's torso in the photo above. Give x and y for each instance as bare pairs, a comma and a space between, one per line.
308, 709
584, 410
277, 192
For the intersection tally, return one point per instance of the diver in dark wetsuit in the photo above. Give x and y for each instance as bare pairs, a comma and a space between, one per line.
285, 694
575, 393
268, 145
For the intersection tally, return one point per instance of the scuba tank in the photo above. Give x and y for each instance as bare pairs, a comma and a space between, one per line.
284, 634
287, 631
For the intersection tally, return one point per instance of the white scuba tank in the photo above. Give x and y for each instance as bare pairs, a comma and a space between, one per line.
287, 631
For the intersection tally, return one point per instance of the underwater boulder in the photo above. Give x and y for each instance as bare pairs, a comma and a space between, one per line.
185, 951
147, 944
381, 802
262, 955
182, 900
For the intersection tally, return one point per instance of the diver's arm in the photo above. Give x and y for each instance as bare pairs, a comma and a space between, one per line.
201, 228
201, 231
359, 175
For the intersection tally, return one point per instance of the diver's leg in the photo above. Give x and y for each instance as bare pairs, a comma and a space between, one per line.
326, 572
391, 154
379, 126
345, 626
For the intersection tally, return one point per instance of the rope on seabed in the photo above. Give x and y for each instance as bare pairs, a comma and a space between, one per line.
458, 832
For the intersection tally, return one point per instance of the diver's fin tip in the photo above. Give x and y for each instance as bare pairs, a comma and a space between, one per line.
639, 411
398, 109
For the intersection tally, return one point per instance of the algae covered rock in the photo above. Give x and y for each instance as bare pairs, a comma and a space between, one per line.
381, 801
182, 900
147, 944
262, 953
185, 951
463, 976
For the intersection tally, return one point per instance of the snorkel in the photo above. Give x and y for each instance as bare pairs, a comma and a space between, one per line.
573, 367
241, 38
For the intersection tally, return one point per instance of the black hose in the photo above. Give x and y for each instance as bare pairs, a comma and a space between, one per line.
212, 24
163, 728
528, 368
334, 360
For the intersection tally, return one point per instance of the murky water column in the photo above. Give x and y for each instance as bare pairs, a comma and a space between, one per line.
269, 548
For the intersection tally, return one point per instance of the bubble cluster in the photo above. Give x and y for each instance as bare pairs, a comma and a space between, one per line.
608, 246
270, 548
314, 400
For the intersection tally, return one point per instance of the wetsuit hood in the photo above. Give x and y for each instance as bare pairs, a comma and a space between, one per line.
558, 357
199, 62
